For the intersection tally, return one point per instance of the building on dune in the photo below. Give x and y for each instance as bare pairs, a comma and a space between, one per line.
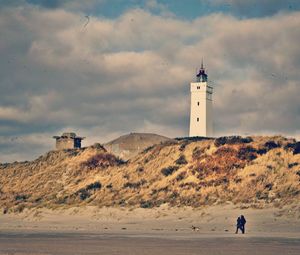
68, 141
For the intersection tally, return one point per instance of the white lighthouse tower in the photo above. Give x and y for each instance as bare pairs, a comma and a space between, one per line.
201, 106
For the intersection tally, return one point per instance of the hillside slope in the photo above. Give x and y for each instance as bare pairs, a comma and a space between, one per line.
128, 146
251, 172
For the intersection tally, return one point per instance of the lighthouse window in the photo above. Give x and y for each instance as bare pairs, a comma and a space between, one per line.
198, 103
198, 87
197, 119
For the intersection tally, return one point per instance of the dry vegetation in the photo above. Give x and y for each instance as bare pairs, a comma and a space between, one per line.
251, 172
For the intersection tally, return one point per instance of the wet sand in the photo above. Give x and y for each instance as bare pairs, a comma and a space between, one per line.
84, 243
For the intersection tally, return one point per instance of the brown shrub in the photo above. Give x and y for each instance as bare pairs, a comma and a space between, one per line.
291, 165
102, 160
169, 170
181, 176
148, 149
232, 140
247, 153
140, 169
181, 160
224, 160
183, 145
109, 186
21, 197
134, 185
19, 208
198, 153
237, 180
146, 204
271, 145
294, 147
84, 193
189, 185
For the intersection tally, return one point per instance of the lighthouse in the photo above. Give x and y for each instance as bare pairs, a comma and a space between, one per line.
201, 106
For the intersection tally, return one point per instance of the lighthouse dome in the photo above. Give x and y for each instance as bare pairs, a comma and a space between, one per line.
201, 75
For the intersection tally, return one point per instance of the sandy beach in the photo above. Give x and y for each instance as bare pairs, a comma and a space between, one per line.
58, 243
161, 230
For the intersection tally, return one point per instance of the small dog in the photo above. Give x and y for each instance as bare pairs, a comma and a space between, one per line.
195, 228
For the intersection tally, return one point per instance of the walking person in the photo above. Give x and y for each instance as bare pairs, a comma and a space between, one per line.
243, 222
238, 224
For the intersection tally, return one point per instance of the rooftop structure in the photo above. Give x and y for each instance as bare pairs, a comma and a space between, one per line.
68, 141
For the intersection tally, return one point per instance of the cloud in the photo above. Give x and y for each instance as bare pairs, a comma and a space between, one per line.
258, 8
158, 8
73, 5
132, 73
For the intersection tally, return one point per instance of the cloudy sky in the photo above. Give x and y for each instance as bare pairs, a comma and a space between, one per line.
103, 68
